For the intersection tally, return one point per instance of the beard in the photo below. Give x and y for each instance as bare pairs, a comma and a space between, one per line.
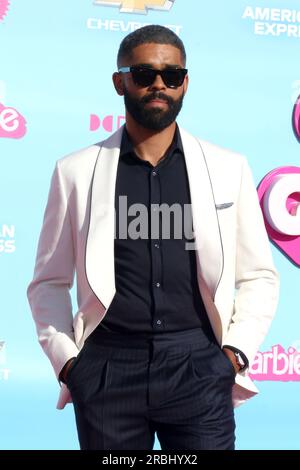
155, 119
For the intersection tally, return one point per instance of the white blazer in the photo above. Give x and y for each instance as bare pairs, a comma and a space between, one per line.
236, 276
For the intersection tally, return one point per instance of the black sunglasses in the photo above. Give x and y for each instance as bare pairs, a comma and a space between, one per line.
145, 76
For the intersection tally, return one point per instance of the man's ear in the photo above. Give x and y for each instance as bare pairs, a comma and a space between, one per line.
118, 83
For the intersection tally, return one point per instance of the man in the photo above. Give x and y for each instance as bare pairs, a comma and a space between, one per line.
171, 309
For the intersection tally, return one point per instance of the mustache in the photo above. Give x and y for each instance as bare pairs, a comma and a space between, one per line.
157, 95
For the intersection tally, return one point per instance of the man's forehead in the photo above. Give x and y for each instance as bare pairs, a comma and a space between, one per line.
151, 53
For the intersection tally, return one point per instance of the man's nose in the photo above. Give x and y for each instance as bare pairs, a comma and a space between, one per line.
158, 83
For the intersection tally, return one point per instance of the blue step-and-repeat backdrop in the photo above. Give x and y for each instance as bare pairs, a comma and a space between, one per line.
56, 96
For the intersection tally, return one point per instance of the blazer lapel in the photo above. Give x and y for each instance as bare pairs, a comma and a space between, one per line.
205, 220
100, 266
209, 250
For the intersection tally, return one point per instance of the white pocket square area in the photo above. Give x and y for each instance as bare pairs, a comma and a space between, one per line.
225, 205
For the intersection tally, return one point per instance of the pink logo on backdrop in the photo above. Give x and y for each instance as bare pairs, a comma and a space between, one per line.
276, 365
109, 123
296, 118
279, 195
3, 8
12, 123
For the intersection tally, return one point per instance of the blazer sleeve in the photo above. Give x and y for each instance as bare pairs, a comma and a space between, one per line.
257, 282
48, 293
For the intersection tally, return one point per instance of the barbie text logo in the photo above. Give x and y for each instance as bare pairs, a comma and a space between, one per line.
276, 365
12, 123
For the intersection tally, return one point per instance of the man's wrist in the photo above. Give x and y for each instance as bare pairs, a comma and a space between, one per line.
230, 355
237, 357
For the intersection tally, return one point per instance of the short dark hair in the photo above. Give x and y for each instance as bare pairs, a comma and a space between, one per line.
149, 34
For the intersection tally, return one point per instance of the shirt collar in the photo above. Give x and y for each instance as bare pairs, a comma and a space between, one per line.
127, 146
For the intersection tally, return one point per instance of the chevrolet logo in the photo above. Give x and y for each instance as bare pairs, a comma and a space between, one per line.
137, 6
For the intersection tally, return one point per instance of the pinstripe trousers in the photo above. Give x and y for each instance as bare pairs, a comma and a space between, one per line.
127, 387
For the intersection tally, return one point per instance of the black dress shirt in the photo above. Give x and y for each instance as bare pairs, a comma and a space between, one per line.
156, 278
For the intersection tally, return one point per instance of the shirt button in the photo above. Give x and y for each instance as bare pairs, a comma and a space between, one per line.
158, 322
154, 173
156, 245
157, 284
